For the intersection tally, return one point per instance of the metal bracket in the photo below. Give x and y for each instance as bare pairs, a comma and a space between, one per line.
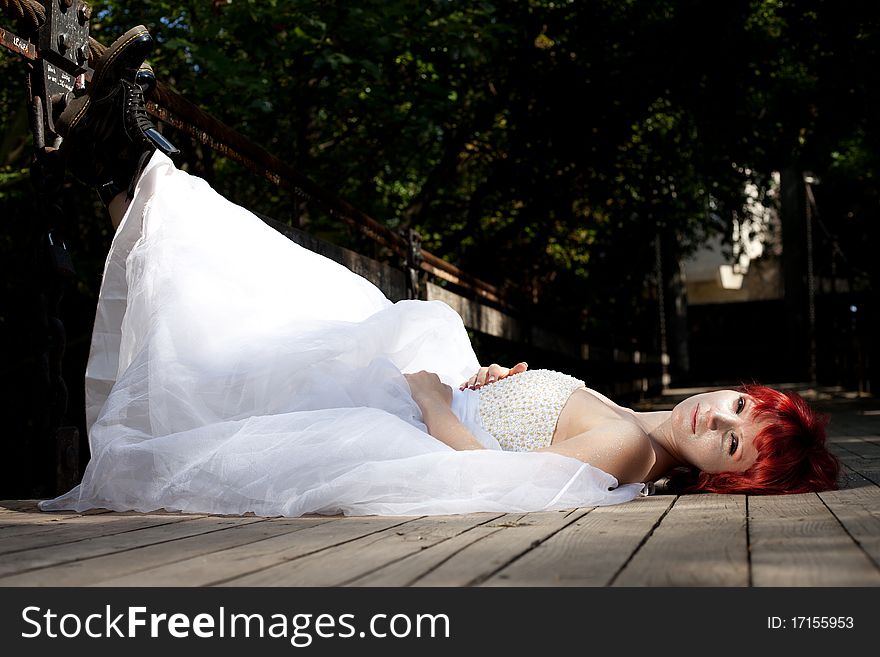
63, 42
64, 37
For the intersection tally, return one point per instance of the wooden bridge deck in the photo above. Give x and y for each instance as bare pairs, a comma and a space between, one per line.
825, 539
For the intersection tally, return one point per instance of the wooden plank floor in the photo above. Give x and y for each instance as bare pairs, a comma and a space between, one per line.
825, 539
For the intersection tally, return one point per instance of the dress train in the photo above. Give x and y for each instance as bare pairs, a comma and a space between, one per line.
233, 371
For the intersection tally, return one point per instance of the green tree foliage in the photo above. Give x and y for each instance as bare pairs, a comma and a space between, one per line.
541, 145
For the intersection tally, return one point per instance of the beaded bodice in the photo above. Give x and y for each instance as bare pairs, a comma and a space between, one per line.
521, 411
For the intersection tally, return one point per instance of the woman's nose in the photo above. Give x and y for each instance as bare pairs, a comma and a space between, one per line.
720, 419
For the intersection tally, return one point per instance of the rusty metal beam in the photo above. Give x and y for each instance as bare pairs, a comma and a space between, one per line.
18, 45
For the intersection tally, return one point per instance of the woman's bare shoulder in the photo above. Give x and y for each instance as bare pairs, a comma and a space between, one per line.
617, 446
605, 400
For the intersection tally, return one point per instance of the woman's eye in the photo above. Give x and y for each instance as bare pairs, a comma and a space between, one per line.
740, 404
734, 443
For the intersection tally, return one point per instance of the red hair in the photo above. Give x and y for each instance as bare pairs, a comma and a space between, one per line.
792, 456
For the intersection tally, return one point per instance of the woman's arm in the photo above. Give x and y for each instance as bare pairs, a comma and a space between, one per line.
618, 448
446, 427
435, 401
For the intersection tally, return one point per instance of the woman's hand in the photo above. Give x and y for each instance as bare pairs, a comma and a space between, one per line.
435, 401
429, 392
492, 373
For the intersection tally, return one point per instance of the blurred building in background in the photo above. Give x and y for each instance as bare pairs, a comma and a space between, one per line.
764, 306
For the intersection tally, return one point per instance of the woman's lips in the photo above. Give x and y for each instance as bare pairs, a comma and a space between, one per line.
694, 419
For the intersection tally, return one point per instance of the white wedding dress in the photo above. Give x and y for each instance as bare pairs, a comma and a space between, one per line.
233, 371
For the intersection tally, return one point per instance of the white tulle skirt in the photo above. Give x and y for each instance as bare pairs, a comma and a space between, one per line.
233, 371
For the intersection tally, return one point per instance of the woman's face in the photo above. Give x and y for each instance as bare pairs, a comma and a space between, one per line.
715, 431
